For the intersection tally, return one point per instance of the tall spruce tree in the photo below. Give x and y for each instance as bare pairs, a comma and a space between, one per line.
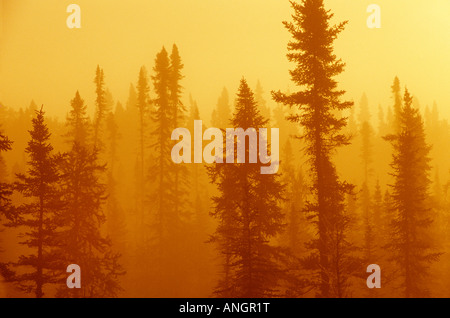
165, 223
39, 217
316, 66
411, 245
101, 105
249, 215
83, 217
162, 116
78, 122
143, 105
181, 174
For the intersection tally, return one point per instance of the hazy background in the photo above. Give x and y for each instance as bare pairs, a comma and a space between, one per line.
220, 41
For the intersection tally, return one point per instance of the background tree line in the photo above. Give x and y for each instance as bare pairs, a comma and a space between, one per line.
102, 191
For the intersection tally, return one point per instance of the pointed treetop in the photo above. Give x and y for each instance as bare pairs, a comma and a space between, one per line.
396, 85
246, 113
364, 112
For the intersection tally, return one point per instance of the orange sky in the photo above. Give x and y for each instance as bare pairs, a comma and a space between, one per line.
220, 41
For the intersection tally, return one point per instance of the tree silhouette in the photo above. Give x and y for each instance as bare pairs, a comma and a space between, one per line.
221, 115
166, 224
101, 105
84, 196
312, 50
39, 216
181, 174
78, 122
143, 105
411, 245
249, 215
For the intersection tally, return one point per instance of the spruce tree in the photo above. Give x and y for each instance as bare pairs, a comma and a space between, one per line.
78, 122
38, 218
411, 245
221, 115
162, 116
181, 174
166, 225
143, 105
249, 214
101, 105
84, 196
319, 100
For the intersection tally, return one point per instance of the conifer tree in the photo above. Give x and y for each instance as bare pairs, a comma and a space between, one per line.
316, 66
221, 115
162, 117
38, 217
166, 224
411, 245
249, 215
181, 184
143, 105
175, 88
78, 122
83, 217
101, 105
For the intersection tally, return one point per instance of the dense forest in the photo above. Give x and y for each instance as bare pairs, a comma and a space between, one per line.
354, 188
